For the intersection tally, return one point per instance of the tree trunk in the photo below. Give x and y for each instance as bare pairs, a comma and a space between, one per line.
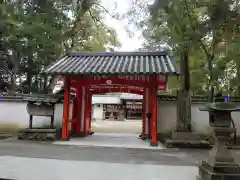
211, 79
12, 89
29, 71
45, 82
52, 83
15, 65
184, 97
29, 79
238, 78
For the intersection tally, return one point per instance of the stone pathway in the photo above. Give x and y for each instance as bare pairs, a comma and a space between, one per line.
125, 127
22, 168
130, 141
24, 160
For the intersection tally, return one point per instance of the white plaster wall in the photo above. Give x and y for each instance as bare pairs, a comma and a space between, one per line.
16, 113
200, 119
98, 111
104, 99
167, 118
236, 118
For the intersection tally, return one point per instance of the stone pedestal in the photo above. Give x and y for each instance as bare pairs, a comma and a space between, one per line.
154, 144
186, 139
220, 164
183, 136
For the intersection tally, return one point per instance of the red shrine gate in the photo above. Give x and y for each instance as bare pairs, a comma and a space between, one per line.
86, 74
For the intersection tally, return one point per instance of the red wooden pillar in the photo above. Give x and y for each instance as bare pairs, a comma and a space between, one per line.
82, 110
90, 111
144, 113
66, 103
154, 118
149, 94
146, 108
78, 109
73, 122
86, 111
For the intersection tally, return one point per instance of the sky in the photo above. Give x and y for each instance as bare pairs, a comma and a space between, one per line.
128, 44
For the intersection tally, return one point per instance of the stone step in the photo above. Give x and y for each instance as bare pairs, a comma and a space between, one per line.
186, 136
38, 134
39, 130
170, 143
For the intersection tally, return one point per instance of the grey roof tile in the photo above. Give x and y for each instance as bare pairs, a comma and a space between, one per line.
114, 63
43, 98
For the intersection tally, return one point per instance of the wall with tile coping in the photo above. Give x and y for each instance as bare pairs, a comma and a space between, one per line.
14, 112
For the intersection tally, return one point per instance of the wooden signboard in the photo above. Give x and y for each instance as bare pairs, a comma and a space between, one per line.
40, 110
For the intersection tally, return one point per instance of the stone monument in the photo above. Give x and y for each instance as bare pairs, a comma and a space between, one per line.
220, 165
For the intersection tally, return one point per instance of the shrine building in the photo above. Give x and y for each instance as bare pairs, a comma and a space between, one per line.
117, 106
89, 73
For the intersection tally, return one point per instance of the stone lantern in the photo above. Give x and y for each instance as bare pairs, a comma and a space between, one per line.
220, 165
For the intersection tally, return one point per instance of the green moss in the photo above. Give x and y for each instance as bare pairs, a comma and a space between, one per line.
10, 128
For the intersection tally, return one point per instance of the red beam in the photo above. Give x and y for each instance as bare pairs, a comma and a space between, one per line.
139, 81
102, 91
106, 90
119, 88
115, 86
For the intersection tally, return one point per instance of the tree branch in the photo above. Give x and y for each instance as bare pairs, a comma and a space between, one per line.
101, 6
193, 28
80, 13
210, 56
85, 47
102, 24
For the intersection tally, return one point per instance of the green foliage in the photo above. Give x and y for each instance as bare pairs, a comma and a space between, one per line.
35, 33
208, 30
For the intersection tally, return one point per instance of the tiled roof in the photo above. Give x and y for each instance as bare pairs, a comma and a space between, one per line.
196, 98
174, 98
43, 98
131, 96
116, 63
